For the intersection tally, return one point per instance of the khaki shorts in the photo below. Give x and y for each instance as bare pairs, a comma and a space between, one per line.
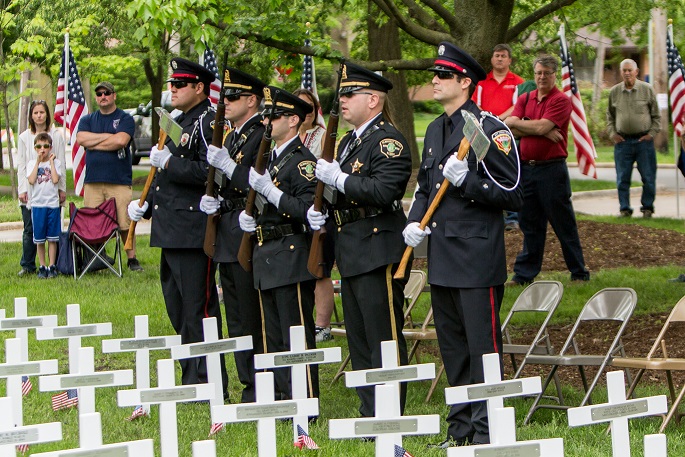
97, 193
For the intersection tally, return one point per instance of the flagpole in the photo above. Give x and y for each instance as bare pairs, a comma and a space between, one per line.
66, 92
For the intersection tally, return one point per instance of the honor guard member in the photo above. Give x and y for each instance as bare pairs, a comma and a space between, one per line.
370, 175
242, 98
466, 256
178, 225
286, 289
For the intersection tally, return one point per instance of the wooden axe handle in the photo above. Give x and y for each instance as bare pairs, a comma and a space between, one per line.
402, 268
143, 196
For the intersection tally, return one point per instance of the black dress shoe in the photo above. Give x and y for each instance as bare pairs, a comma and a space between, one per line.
449, 442
680, 278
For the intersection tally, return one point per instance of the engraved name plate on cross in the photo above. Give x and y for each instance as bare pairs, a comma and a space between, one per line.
265, 411
298, 358
11, 436
617, 411
22, 322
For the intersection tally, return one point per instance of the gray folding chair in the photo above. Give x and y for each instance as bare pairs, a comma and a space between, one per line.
611, 304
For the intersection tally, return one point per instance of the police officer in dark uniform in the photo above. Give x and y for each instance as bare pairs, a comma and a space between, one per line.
466, 255
242, 98
370, 175
286, 288
178, 225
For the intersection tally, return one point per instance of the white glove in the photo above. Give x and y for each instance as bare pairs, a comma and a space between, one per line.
265, 186
247, 223
316, 218
219, 158
135, 212
455, 170
159, 157
413, 235
209, 204
331, 174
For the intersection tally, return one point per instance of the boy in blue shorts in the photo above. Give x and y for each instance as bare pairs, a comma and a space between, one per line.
43, 176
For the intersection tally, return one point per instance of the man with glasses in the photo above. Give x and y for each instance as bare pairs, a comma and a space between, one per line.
242, 98
466, 254
286, 288
540, 118
366, 184
178, 226
106, 135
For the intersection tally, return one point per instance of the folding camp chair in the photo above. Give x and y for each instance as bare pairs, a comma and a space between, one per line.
91, 230
611, 304
666, 362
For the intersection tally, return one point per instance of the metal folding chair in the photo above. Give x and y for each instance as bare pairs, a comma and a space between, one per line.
611, 304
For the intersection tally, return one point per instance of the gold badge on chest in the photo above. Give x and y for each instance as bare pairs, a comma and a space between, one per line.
239, 157
391, 148
357, 166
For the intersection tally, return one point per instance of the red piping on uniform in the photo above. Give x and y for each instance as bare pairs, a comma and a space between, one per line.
446, 63
492, 319
208, 293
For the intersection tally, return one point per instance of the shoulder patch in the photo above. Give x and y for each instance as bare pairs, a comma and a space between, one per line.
307, 168
390, 147
502, 140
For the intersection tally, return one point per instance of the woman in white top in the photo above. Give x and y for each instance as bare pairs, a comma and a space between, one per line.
311, 133
39, 116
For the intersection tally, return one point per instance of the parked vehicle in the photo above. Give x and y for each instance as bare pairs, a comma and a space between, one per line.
142, 138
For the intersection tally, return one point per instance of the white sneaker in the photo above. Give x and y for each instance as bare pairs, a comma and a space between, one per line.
323, 334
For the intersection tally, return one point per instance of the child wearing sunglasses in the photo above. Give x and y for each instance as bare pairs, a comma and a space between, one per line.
43, 177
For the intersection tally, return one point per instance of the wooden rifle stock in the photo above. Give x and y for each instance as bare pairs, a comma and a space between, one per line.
213, 219
143, 196
402, 268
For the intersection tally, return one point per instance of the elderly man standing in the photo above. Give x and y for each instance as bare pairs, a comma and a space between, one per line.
632, 121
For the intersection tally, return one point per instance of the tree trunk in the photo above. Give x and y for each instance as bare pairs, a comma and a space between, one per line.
659, 79
482, 27
156, 80
384, 44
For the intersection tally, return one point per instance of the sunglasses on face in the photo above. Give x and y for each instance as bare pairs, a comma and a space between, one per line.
352, 94
235, 97
277, 115
179, 84
104, 92
444, 74
42, 146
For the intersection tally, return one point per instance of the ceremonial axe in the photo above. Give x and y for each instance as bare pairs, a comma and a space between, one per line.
474, 138
168, 127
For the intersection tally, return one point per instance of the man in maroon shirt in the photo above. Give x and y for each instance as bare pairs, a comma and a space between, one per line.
540, 118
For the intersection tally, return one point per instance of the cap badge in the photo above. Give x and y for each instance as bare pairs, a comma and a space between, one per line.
344, 72
174, 65
441, 50
227, 76
267, 95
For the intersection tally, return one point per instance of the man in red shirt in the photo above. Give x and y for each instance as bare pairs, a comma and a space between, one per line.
541, 119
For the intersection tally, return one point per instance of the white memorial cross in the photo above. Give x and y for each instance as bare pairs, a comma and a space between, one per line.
90, 442
86, 380
493, 390
506, 441
298, 358
206, 448
166, 395
388, 426
141, 344
74, 331
15, 368
11, 436
617, 411
22, 322
265, 411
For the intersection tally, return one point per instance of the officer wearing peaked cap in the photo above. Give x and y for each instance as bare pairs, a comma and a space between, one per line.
178, 225
370, 175
243, 95
286, 288
466, 255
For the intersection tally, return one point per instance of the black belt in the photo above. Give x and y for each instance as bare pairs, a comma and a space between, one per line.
542, 163
274, 232
633, 136
231, 204
345, 216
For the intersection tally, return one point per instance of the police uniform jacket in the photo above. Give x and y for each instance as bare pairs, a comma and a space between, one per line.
379, 168
466, 245
177, 221
235, 190
283, 261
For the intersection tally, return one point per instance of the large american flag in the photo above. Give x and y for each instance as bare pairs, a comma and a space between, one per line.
309, 81
209, 61
70, 116
67, 399
401, 452
676, 85
582, 140
304, 441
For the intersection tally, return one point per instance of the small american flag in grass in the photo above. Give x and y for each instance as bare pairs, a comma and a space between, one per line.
138, 412
26, 386
401, 452
304, 441
23, 448
67, 399
216, 428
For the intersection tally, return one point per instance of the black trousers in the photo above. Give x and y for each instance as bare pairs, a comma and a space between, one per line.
282, 308
189, 289
372, 302
28, 247
243, 318
467, 324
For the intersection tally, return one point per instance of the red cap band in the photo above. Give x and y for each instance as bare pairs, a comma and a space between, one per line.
185, 75
446, 63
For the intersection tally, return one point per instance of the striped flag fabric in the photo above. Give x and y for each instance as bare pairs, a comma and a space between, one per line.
67, 399
401, 452
23, 448
68, 113
216, 428
582, 140
304, 441
676, 85
309, 81
139, 411
26, 386
209, 62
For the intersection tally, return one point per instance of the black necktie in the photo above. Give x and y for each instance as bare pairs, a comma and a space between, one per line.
350, 145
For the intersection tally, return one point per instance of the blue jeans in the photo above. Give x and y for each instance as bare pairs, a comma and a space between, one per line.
511, 216
626, 153
28, 251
